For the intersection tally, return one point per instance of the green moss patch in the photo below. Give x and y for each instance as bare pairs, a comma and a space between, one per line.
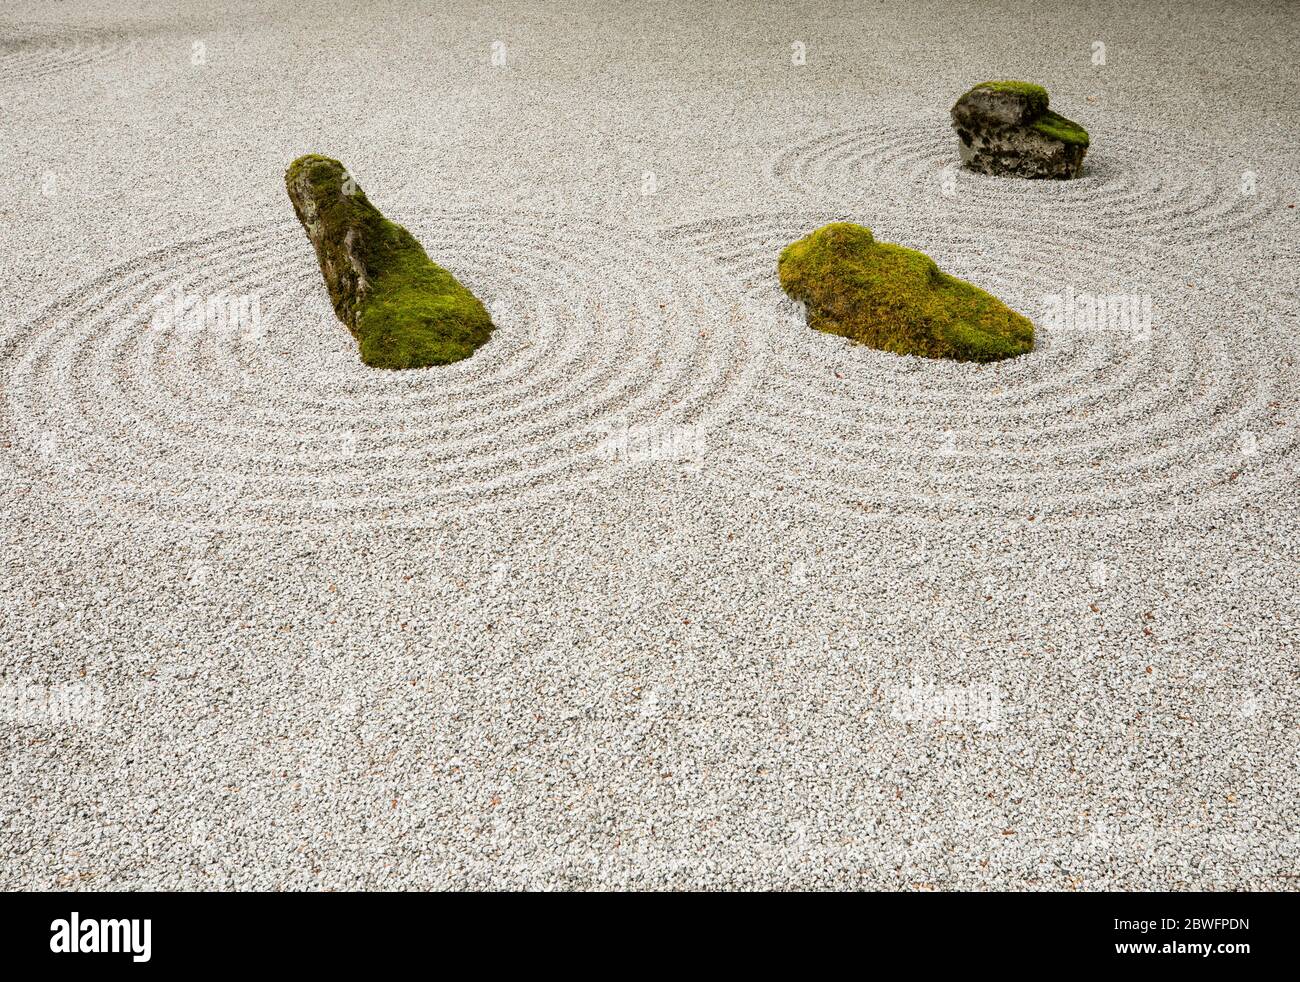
1059, 128
1005, 102
1035, 96
405, 310
897, 299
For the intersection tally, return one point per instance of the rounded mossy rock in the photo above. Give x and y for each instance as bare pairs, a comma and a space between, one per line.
1005, 128
897, 299
405, 310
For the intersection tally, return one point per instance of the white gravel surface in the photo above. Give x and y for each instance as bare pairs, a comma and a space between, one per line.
659, 589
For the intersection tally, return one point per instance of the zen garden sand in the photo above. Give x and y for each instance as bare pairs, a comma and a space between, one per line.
658, 588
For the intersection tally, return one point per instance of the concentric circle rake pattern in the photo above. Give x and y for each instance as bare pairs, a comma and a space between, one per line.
1146, 184
1112, 414
257, 409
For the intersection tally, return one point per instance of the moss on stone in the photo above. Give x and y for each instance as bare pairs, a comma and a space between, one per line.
1037, 115
897, 299
1034, 95
1006, 129
1059, 128
405, 310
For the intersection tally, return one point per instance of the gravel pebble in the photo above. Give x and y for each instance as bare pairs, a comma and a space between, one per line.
660, 589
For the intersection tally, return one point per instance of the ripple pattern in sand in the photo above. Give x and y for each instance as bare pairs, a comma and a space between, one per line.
117, 398
1148, 185
1095, 422
35, 52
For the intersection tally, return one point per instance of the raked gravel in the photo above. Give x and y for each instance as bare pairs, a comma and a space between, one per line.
659, 589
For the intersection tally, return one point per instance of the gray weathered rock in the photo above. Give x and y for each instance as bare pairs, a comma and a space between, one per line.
1005, 128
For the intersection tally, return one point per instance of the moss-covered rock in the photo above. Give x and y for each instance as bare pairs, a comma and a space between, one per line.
897, 299
1005, 128
404, 310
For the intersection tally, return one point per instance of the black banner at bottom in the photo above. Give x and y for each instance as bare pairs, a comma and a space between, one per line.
134, 933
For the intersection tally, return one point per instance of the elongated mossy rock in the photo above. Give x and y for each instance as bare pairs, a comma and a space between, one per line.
404, 310
1005, 128
897, 299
